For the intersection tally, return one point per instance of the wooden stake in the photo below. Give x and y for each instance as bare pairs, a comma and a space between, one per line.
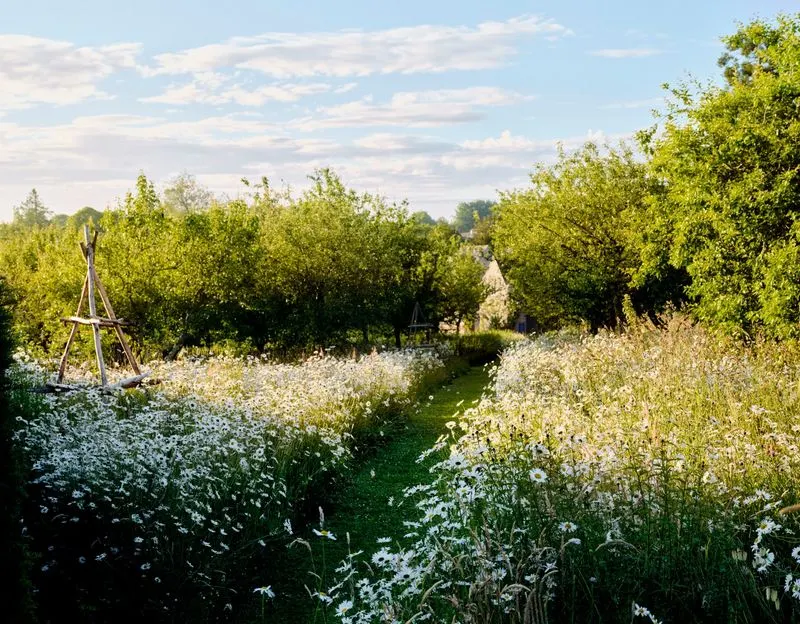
63, 365
110, 312
98, 346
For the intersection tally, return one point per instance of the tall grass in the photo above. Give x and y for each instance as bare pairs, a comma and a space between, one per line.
608, 478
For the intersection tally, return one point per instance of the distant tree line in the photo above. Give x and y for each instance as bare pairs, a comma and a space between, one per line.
271, 272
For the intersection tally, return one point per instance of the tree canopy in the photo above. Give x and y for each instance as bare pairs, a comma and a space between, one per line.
729, 161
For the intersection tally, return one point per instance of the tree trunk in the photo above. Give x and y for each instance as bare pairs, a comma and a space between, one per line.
176, 349
397, 337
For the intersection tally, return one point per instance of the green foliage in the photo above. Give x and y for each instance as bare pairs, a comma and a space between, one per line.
568, 244
15, 588
730, 163
461, 287
184, 195
470, 213
32, 211
422, 217
479, 348
274, 272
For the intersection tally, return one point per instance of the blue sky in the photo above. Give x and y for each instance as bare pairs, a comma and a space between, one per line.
434, 102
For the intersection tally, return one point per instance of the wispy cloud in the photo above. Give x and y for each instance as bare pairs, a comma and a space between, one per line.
414, 49
414, 109
34, 70
216, 89
619, 53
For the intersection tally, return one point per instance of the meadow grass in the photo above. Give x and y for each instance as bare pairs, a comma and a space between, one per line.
370, 505
605, 478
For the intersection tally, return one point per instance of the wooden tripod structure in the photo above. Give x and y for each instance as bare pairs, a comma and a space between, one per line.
92, 285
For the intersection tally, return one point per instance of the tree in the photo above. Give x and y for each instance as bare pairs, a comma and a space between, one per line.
468, 213
32, 212
185, 195
567, 244
729, 158
86, 215
460, 286
422, 217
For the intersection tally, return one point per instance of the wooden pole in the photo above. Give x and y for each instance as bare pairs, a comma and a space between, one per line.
98, 346
110, 311
62, 367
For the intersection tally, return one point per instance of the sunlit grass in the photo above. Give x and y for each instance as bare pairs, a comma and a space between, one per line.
608, 477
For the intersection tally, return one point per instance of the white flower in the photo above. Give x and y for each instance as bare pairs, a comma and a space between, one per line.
538, 475
325, 533
265, 591
568, 527
344, 607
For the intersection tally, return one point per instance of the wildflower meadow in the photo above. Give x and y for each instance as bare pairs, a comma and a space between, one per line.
177, 491
648, 475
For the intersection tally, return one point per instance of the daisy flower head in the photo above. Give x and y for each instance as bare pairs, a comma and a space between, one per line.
538, 475
325, 533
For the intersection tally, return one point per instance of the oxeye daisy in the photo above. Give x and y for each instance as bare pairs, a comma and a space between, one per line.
537, 475
325, 533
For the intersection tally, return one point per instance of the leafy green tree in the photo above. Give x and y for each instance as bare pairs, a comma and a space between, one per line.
421, 216
469, 213
460, 287
729, 160
32, 211
86, 215
567, 243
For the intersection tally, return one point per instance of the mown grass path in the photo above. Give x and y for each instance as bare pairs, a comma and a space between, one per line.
361, 506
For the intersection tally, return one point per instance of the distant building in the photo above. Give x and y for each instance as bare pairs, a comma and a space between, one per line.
496, 311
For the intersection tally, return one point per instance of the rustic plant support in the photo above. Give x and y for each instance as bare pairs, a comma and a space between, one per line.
92, 285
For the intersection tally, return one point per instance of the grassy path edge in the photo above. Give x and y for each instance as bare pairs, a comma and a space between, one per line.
361, 508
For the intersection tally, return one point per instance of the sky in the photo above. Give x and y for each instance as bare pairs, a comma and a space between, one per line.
434, 102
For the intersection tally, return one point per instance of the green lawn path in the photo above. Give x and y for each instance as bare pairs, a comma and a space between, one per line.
361, 506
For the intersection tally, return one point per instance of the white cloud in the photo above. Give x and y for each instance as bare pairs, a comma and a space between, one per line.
414, 109
346, 88
414, 49
94, 160
44, 71
216, 89
618, 53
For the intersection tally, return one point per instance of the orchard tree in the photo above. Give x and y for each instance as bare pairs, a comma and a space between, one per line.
567, 243
185, 194
729, 159
460, 286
